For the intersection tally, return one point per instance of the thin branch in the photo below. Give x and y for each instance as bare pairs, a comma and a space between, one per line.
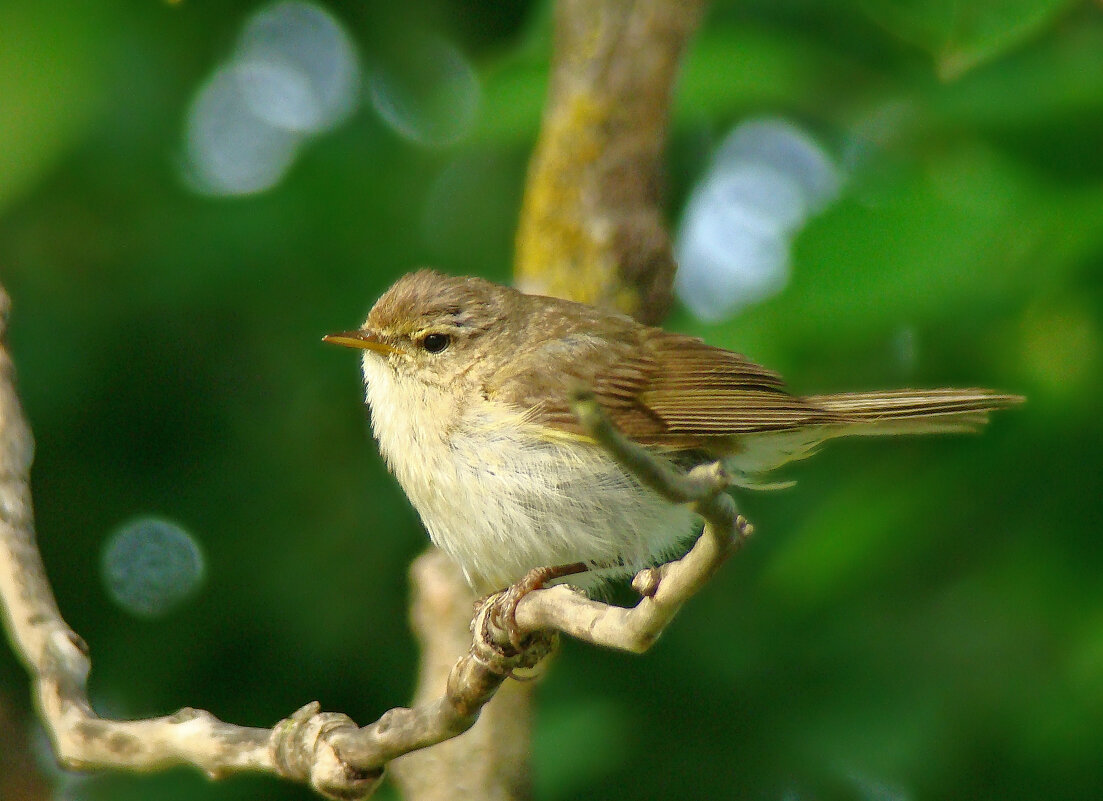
475, 678
591, 228
327, 750
57, 658
491, 761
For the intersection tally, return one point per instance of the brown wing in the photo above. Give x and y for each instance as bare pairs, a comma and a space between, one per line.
704, 391
657, 387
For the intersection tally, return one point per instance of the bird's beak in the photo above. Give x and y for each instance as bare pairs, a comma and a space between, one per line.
365, 340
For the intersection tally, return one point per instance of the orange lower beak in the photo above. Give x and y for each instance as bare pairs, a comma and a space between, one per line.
365, 340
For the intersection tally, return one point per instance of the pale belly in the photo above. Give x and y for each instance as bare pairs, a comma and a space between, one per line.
502, 500
501, 504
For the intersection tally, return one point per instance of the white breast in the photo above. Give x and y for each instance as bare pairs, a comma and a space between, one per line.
501, 498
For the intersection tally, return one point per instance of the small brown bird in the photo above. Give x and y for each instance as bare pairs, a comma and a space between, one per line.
469, 385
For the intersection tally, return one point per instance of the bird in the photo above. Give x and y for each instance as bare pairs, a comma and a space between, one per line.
469, 386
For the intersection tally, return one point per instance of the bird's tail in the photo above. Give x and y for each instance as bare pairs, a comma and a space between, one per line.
901, 411
913, 411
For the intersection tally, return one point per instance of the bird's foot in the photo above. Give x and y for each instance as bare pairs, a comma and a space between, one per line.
504, 614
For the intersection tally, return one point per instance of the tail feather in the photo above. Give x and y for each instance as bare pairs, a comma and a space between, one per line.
913, 411
903, 411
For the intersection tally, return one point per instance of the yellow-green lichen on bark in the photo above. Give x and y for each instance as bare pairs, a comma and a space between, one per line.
591, 226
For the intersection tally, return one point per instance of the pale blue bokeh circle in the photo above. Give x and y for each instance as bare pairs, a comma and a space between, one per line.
150, 566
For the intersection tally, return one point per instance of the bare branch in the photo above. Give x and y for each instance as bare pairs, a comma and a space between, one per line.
491, 760
476, 676
57, 658
327, 750
474, 679
591, 228
697, 486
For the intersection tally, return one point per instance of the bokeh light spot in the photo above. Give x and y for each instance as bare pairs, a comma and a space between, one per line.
279, 95
151, 565
733, 244
426, 91
726, 258
294, 73
789, 150
905, 349
302, 67
232, 151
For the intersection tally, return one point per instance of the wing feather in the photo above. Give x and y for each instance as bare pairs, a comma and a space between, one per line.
657, 387
676, 391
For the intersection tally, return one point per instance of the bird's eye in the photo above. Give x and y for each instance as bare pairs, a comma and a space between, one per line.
435, 343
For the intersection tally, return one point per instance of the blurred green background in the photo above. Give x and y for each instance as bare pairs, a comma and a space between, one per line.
916, 619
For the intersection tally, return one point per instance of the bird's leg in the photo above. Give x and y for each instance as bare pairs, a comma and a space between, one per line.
505, 612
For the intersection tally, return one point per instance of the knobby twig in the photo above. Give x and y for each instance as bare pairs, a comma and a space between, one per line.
57, 658
491, 761
591, 228
327, 749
